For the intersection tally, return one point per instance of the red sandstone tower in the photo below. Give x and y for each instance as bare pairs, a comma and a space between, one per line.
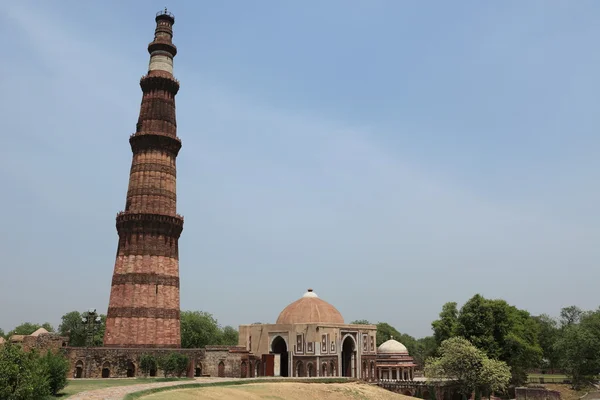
144, 299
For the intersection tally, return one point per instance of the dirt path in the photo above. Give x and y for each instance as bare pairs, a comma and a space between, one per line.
118, 392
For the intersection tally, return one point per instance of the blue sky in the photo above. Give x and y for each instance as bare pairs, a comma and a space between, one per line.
391, 155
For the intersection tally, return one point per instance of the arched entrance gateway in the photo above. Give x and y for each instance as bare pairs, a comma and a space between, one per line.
348, 357
79, 369
130, 369
279, 348
106, 370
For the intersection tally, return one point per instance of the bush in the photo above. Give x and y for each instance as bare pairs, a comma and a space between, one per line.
147, 363
173, 363
57, 367
23, 376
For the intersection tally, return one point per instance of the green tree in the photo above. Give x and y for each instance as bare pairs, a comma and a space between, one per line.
230, 336
22, 375
173, 363
476, 324
578, 348
148, 363
360, 322
199, 329
468, 367
385, 332
425, 347
26, 328
570, 315
57, 367
500, 330
72, 326
548, 333
2, 334
446, 327
494, 376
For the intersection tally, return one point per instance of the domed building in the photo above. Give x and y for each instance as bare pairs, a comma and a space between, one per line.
311, 339
394, 362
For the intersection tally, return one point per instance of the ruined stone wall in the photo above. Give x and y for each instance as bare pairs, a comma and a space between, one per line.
44, 342
118, 361
536, 393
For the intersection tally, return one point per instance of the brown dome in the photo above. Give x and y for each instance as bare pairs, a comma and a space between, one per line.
310, 309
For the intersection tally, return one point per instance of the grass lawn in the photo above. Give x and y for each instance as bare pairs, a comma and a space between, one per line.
281, 391
81, 385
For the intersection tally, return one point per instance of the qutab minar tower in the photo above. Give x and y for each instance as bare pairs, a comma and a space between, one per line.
144, 299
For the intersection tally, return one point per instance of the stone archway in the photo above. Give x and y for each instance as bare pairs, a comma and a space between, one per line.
244, 370
332, 369
299, 369
106, 370
324, 369
348, 357
79, 369
279, 346
198, 371
221, 369
257, 369
310, 369
130, 369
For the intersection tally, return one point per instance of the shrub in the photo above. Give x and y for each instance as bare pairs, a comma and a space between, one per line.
57, 367
173, 363
22, 375
147, 363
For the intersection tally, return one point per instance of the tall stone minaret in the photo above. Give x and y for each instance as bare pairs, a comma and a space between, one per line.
144, 299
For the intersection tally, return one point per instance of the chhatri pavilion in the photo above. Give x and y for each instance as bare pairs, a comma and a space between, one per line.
310, 338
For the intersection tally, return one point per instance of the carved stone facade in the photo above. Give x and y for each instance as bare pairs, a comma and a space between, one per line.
144, 299
310, 339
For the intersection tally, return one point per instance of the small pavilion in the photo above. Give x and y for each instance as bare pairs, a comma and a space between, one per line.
393, 362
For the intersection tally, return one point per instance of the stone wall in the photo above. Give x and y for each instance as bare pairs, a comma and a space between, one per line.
44, 342
536, 393
103, 362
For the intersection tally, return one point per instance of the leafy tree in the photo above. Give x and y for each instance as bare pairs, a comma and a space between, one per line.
22, 375
578, 349
27, 328
446, 327
360, 322
570, 315
2, 334
199, 329
425, 347
385, 332
148, 363
72, 326
57, 367
494, 376
230, 336
476, 324
500, 330
173, 363
469, 368
547, 336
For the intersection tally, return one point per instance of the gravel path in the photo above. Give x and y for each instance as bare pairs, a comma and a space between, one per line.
118, 392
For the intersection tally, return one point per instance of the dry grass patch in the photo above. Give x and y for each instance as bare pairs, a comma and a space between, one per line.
282, 391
